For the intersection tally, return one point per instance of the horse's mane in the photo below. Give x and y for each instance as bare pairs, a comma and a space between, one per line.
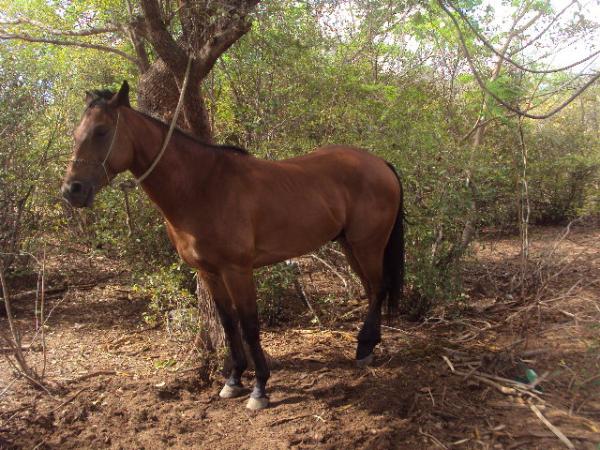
101, 96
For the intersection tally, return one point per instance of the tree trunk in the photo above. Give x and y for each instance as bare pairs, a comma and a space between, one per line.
204, 41
212, 336
158, 94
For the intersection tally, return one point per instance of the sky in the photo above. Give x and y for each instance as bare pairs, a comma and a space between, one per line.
560, 53
563, 52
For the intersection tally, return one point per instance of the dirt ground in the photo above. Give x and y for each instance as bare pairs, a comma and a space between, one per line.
456, 380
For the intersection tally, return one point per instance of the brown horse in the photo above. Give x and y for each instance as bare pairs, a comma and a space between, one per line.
228, 213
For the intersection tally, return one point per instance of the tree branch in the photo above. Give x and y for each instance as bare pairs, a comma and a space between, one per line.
162, 41
219, 43
508, 106
541, 33
59, 32
503, 53
25, 37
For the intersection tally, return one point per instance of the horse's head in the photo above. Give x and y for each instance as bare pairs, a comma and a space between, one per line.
101, 147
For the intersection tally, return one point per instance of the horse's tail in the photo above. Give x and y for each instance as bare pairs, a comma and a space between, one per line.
394, 257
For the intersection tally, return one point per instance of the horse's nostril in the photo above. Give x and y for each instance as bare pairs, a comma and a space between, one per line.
76, 187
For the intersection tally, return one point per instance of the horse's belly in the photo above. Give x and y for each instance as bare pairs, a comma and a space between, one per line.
294, 239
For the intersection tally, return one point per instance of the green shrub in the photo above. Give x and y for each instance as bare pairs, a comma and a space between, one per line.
169, 290
273, 284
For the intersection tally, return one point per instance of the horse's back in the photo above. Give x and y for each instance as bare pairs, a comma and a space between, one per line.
358, 171
342, 161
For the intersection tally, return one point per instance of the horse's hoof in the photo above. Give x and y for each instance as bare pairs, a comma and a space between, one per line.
231, 391
255, 404
365, 361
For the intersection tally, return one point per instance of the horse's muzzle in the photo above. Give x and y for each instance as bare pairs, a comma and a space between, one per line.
79, 194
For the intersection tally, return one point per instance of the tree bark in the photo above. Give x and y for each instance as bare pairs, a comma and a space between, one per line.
212, 337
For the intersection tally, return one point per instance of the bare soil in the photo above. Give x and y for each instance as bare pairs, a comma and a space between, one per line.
446, 382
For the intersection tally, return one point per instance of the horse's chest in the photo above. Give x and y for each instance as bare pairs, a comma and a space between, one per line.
196, 251
190, 255
186, 246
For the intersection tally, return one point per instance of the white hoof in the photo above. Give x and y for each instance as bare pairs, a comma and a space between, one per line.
231, 391
365, 361
255, 404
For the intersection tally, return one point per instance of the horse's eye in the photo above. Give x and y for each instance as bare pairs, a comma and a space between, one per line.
100, 132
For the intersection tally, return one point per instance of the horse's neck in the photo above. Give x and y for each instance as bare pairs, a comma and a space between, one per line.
173, 183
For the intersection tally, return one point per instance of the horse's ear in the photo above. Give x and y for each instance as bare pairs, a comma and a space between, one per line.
121, 98
89, 97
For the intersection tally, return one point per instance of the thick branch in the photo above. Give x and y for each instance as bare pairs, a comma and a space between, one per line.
219, 43
28, 38
162, 41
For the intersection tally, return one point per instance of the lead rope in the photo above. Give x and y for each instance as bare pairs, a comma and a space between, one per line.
171, 127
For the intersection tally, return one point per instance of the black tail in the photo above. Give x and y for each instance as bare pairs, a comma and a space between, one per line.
393, 259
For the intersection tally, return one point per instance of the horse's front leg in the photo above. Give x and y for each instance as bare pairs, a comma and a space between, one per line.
233, 386
241, 288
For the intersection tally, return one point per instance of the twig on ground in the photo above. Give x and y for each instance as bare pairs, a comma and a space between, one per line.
435, 440
492, 380
192, 369
447, 360
24, 348
288, 419
122, 339
5, 390
394, 329
91, 375
559, 434
69, 400
590, 379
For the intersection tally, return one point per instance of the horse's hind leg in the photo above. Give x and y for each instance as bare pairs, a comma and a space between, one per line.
233, 387
368, 257
347, 249
241, 288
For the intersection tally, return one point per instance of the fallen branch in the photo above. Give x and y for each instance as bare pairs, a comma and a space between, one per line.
288, 419
53, 291
435, 440
559, 434
579, 434
115, 344
87, 376
515, 387
11, 350
69, 400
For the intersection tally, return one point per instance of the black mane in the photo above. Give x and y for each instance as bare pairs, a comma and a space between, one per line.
101, 96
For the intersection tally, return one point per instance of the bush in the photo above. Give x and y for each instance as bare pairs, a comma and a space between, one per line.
273, 284
169, 290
